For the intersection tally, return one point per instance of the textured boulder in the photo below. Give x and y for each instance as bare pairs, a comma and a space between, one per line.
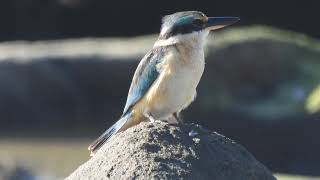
161, 151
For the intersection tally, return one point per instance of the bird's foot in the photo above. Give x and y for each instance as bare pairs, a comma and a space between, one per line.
152, 120
177, 117
150, 117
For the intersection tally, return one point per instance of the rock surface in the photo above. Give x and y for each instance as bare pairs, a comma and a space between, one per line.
162, 151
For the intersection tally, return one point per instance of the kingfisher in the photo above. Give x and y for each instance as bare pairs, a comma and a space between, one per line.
166, 78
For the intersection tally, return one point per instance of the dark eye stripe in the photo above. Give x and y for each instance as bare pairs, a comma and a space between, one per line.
184, 29
198, 22
188, 28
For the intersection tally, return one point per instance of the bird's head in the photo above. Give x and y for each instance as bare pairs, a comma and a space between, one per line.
190, 26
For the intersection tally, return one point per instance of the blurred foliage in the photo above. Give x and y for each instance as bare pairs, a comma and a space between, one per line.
264, 72
45, 156
295, 177
313, 101
254, 32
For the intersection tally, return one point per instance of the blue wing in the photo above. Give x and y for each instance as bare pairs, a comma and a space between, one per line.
145, 75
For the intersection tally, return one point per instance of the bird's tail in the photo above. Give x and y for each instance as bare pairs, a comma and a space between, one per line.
108, 134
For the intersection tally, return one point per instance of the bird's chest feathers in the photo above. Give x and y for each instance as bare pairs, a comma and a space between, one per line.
182, 69
176, 86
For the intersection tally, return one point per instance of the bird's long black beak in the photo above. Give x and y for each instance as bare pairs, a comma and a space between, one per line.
214, 23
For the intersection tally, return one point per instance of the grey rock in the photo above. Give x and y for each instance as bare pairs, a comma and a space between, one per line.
162, 151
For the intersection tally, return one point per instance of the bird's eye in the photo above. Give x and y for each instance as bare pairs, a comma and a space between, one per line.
198, 22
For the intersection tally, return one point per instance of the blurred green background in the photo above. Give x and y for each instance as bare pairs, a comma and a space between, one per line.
66, 66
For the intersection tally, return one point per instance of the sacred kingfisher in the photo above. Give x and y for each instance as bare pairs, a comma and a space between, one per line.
166, 78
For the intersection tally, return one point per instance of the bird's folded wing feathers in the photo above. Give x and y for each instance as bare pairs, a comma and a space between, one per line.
145, 75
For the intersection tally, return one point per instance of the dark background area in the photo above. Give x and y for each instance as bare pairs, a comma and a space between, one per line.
51, 19
79, 97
